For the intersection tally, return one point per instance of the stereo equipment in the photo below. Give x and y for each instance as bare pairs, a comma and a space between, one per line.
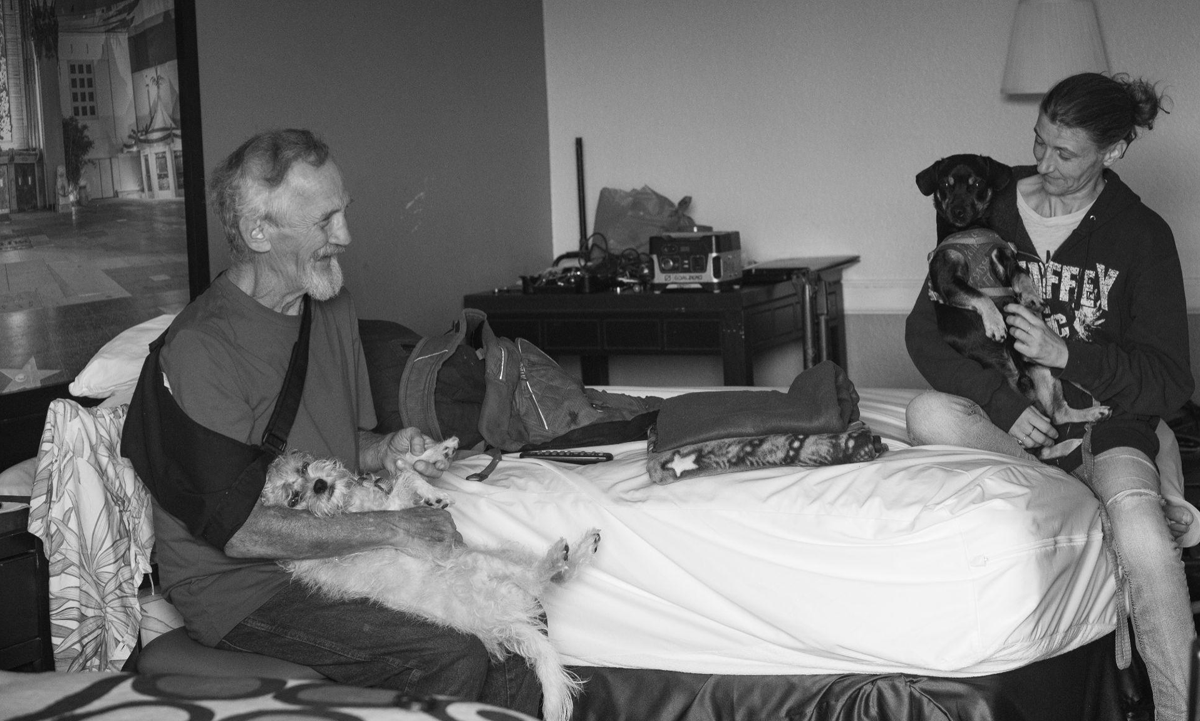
709, 260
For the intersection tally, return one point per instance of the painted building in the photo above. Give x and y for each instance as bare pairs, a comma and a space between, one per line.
118, 75
30, 129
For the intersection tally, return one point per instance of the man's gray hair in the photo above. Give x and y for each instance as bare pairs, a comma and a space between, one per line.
242, 184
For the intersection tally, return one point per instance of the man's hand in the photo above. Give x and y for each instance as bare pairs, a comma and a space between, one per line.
412, 441
427, 526
378, 453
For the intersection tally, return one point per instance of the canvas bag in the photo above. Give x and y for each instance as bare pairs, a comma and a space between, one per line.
628, 218
527, 399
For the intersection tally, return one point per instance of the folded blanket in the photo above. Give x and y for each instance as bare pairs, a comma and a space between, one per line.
727, 455
820, 400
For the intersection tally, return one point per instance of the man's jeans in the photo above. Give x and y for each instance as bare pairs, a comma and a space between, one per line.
364, 644
1126, 481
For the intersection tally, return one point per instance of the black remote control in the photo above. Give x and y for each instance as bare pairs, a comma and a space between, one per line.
581, 458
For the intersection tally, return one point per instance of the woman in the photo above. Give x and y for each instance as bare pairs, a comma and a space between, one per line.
1116, 331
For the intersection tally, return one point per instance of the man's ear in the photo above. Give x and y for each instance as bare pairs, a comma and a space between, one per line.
255, 235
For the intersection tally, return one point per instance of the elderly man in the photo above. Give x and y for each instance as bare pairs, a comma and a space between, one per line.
225, 359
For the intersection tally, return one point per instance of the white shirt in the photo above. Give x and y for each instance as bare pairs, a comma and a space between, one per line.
1048, 233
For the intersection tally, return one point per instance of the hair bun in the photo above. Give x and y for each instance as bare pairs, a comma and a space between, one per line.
1147, 101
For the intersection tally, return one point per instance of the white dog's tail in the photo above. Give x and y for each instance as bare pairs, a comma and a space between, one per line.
559, 685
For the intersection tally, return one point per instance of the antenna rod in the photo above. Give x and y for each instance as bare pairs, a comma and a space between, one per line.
583, 234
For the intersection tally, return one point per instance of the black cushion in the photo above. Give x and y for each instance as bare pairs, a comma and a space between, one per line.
386, 345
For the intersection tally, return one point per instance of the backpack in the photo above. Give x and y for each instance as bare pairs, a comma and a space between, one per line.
508, 394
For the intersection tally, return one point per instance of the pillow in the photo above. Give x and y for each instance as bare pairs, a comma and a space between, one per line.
17, 481
116, 366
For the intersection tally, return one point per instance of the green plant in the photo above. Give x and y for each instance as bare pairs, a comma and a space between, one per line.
76, 145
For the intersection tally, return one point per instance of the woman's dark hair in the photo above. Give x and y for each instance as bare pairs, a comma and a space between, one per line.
1107, 108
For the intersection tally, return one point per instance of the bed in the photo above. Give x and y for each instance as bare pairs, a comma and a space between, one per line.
930, 583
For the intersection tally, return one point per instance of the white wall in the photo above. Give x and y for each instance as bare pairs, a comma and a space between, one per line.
435, 111
801, 123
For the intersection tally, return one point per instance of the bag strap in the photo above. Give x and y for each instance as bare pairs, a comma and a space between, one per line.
275, 436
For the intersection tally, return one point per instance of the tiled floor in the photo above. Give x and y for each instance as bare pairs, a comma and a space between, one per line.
71, 281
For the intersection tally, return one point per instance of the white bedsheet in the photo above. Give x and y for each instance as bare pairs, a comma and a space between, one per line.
929, 560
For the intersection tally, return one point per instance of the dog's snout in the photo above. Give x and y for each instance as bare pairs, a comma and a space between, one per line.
320, 486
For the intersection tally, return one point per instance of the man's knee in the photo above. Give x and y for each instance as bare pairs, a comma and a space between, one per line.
462, 665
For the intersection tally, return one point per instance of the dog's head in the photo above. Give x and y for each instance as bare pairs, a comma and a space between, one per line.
963, 186
301, 482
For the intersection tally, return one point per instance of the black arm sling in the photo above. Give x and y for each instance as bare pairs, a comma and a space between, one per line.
205, 479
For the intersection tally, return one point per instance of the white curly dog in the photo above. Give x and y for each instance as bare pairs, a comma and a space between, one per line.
492, 593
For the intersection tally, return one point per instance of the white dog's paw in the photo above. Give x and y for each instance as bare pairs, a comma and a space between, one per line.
555, 562
425, 494
579, 555
439, 451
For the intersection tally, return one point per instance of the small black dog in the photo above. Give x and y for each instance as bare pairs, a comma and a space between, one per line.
973, 273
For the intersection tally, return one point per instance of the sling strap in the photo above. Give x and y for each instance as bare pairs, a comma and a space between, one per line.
207, 480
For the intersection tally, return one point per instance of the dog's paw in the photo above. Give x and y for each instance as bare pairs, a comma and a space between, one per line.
993, 322
555, 562
435, 500
588, 545
1098, 413
430, 495
434, 454
1059, 450
581, 554
446, 449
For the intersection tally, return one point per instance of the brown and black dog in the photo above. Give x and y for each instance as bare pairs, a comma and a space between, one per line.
974, 273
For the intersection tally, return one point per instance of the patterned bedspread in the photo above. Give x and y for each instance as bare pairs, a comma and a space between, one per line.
193, 698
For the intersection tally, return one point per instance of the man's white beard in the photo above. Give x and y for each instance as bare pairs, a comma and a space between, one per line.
323, 285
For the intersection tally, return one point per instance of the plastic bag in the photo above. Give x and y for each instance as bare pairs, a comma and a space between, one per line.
627, 218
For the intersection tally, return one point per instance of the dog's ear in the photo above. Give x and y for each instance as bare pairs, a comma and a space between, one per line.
999, 174
927, 178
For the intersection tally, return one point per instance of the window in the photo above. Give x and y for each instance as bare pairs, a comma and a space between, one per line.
164, 175
178, 170
83, 90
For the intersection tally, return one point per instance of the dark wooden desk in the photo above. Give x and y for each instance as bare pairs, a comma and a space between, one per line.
735, 324
25, 643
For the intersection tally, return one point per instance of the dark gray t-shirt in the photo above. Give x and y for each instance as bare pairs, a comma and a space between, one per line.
224, 359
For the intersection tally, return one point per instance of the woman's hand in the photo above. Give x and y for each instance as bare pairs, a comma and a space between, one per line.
1034, 339
1033, 429
1179, 519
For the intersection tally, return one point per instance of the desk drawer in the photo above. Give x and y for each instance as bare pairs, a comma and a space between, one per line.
570, 335
692, 335
643, 334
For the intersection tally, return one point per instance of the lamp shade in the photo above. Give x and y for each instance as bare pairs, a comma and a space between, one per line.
1052, 39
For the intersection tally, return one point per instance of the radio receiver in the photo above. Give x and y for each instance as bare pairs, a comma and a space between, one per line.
710, 260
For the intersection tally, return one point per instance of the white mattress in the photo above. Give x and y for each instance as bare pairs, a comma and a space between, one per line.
932, 560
